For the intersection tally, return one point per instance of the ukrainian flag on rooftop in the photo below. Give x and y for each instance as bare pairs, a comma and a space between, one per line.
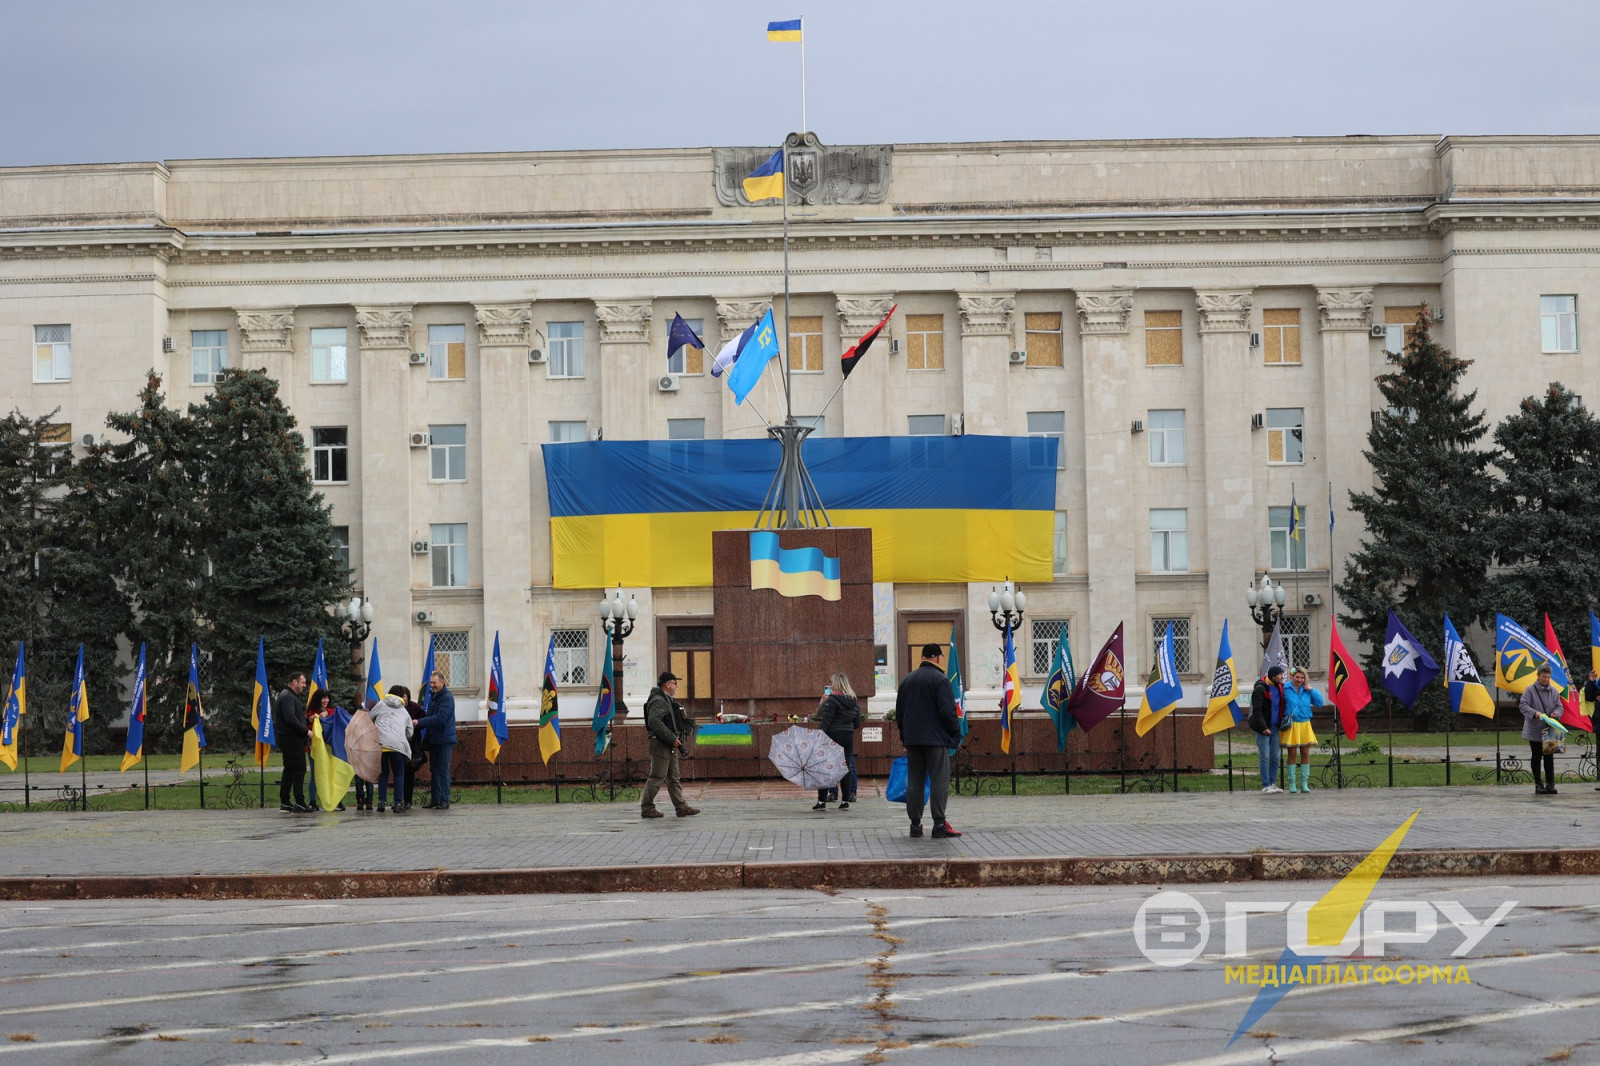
788, 30
766, 181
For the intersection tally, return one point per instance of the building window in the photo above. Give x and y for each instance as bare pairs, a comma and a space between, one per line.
1286, 435
1046, 635
1280, 336
1400, 323
805, 344
1058, 547
447, 453
572, 656
330, 455
1165, 430
1169, 540
208, 354
450, 658
330, 356
1278, 537
686, 429
52, 353
1041, 339
1163, 338
566, 349
1296, 630
924, 342
1050, 424
55, 445
1558, 323
1182, 660
925, 425
341, 548
568, 432
687, 360
449, 547
447, 353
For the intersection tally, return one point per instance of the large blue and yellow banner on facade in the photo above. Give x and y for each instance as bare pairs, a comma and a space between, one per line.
941, 509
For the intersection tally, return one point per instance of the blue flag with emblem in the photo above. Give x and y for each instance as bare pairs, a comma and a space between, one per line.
16, 707
753, 357
1407, 666
604, 703
958, 691
1058, 689
496, 734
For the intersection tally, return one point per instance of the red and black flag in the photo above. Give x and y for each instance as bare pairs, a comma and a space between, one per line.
854, 353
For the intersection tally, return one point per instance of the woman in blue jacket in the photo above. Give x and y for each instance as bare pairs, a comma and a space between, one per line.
1299, 699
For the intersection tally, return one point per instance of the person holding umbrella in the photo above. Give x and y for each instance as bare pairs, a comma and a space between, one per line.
667, 724
925, 713
839, 714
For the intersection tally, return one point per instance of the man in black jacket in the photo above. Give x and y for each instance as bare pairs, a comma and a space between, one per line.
293, 736
925, 714
667, 724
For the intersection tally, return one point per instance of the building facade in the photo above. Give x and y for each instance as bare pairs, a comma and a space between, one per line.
1199, 322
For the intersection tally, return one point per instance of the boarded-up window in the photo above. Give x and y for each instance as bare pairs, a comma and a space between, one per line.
805, 344
447, 353
1163, 338
1280, 335
1043, 339
924, 342
1402, 325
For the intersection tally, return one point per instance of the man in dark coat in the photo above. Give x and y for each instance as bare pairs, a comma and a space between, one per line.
439, 733
925, 714
1267, 719
667, 725
293, 736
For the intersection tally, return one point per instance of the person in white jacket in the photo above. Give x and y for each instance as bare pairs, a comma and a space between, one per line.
394, 733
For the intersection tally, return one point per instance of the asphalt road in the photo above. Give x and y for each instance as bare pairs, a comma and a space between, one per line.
779, 978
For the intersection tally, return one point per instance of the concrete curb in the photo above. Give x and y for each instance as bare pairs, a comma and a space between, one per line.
891, 873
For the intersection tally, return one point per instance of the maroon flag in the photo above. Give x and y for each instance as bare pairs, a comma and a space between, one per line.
854, 353
1101, 689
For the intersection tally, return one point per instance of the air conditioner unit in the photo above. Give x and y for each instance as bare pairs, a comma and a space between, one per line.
894, 347
1378, 332
419, 547
1257, 421
1138, 426
91, 439
418, 358
1018, 358
421, 440
424, 618
958, 424
535, 355
667, 383
1311, 599
168, 346
1436, 314
1255, 340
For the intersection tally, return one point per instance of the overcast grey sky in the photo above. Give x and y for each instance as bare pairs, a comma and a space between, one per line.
117, 80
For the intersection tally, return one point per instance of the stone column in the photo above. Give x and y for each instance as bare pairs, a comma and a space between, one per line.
1118, 528
733, 318
1347, 404
862, 404
383, 459
986, 319
626, 391
267, 341
506, 525
1234, 522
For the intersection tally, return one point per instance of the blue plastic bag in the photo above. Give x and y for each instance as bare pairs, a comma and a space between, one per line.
895, 790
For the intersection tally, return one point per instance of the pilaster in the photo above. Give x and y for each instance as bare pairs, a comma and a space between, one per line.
986, 342
1234, 521
863, 404
624, 352
266, 340
1346, 314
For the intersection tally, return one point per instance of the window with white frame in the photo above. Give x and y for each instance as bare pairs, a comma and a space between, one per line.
686, 429
1058, 545
1286, 435
330, 355
52, 353
566, 349
925, 425
1282, 544
208, 354
805, 344
447, 353
687, 360
1046, 634
1050, 424
924, 342
572, 656
447, 453
55, 444
1558, 323
1165, 430
1169, 540
1182, 645
330, 455
449, 548
341, 548
451, 658
568, 432
1296, 630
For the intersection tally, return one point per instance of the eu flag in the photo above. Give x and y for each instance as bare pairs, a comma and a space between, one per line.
681, 335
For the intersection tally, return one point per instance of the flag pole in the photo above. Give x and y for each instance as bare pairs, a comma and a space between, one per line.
83, 768
22, 738
1333, 613
1447, 724
788, 399
201, 766
803, 126
145, 763
1390, 701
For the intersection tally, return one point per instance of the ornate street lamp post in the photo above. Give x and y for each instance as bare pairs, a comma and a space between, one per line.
1005, 611
617, 619
355, 625
1266, 606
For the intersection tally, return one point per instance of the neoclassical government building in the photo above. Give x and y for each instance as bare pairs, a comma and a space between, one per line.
1198, 322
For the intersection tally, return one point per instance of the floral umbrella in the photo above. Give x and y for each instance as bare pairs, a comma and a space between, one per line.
807, 757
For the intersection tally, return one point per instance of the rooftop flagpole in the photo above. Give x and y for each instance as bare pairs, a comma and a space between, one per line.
803, 126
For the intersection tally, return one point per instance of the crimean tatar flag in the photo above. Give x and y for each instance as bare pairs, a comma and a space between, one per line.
266, 733
1163, 689
194, 729
753, 356
787, 30
375, 687
1058, 690
1571, 706
495, 735
1468, 695
766, 181
1347, 685
16, 707
604, 704
77, 714
958, 691
1222, 707
1010, 693
133, 751
549, 707
1102, 688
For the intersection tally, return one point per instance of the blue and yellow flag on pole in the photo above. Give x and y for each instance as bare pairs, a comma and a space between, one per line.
1058, 689
266, 733
766, 181
77, 714
549, 707
1222, 706
1468, 695
495, 735
427, 676
319, 675
604, 703
958, 691
329, 759
1518, 655
1594, 658
1010, 693
194, 729
16, 707
1162, 690
133, 751
787, 30
375, 688
1294, 518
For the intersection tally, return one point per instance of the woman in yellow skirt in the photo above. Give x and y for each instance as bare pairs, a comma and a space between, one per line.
1299, 699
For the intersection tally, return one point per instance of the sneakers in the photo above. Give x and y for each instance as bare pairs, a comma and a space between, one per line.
916, 830
288, 808
688, 812
945, 830
1270, 789
819, 806
845, 805
305, 808
650, 812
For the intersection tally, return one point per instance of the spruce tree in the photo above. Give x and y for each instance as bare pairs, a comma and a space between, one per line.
1424, 551
1543, 529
